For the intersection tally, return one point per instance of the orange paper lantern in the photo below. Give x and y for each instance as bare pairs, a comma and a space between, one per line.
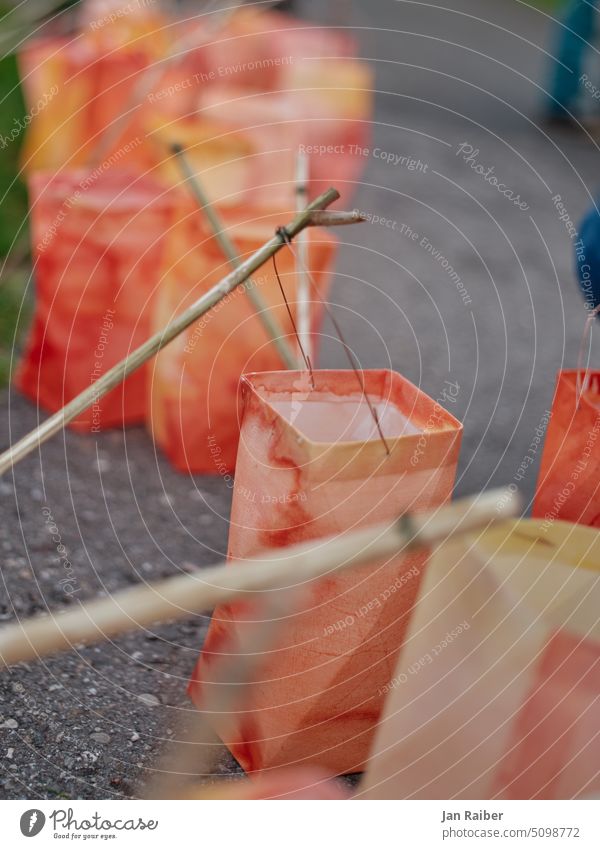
193, 397
52, 73
97, 246
230, 166
311, 464
256, 45
78, 87
323, 107
92, 95
568, 486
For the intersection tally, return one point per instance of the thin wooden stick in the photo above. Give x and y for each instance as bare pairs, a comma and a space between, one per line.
181, 596
114, 376
333, 218
263, 312
303, 284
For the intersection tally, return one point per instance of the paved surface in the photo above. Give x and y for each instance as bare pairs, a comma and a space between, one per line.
445, 77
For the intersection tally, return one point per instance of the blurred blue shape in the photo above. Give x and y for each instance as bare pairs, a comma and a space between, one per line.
573, 39
587, 260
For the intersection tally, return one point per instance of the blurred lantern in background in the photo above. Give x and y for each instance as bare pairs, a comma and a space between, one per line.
278, 81
112, 24
240, 91
324, 111
230, 165
255, 45
92, 77
311, 464
60, 133
96, 241
194, 381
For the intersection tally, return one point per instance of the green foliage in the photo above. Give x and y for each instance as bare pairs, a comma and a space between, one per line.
14, 316
13, 206
13, 197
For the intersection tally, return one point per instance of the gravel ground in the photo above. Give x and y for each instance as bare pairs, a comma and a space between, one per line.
89, 724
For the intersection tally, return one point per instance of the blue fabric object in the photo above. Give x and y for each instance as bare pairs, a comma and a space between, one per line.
573, 40
587, 257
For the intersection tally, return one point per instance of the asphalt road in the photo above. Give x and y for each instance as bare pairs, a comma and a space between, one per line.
499, 326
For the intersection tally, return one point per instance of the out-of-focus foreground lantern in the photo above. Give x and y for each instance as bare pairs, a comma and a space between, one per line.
311, 464
194, 381
291, 84
96, 242
496, 692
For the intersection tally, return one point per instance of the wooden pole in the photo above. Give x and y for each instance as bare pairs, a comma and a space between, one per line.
184, 595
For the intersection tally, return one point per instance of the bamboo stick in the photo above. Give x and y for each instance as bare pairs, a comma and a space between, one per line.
181, 596
266, 317
114, 376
